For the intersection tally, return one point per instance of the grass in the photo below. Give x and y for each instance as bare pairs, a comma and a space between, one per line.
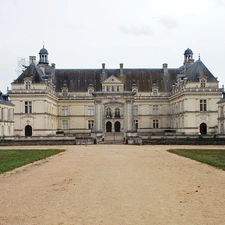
213, 157
11, 159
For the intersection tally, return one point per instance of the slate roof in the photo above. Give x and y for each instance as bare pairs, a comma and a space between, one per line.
198, 69
4, 99
35, 72
79, 79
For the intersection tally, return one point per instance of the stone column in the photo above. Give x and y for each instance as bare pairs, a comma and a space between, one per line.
98, 115
129, 115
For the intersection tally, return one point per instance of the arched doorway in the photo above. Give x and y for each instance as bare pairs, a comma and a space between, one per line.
117, 126
203, 128
108, 127
28, 130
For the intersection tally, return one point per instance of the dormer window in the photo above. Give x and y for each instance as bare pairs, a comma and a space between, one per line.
155, 91
202, 83
28, 84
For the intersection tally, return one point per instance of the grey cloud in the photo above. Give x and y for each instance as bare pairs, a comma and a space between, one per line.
136, 30
168, 22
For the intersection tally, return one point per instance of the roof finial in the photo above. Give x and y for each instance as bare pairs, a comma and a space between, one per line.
43, 44
199, 56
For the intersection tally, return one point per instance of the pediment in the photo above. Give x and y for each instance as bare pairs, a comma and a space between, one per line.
112, 80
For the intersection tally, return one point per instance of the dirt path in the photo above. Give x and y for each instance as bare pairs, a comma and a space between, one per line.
113, 185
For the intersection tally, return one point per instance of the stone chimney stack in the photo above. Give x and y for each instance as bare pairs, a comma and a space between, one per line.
165, 68
32, 59
121, 69
103, 67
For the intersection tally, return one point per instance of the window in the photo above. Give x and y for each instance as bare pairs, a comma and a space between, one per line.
202, 105
2, 113
202, 82
155, 124
112, 88
9, 114
64, 110
155, 110
28, 107
136, 124
118, 88
28, 85
107, 88
90, 124
135, 110
64, 92
65, 124
155, 92
117, 112
108, 113
90, 110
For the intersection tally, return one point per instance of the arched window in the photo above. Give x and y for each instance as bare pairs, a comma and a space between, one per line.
117, 112
108, 113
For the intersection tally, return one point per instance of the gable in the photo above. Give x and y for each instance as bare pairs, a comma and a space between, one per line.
112, 80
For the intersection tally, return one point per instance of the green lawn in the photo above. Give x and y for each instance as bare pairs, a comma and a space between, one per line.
212, 157
11, 159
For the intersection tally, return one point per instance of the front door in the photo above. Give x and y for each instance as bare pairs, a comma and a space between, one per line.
203, 128
28, 130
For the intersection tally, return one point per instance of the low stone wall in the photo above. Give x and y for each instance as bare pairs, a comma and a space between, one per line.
134, 140
85, 141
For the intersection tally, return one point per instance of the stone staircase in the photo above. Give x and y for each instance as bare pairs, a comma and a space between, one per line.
113, 138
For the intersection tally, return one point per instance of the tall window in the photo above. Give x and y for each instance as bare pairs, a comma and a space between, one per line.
2, 112
112, 88
117, 112
136, 124
108, 113
64, 124
155, 110
64, 110
135, 110
118, 88
203, 105
28, 107
90, 110
8, 114
155, 124
90, 124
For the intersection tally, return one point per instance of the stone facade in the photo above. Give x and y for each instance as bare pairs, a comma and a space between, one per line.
101, 102
6, 116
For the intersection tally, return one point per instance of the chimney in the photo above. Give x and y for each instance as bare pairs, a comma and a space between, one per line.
121, 69
103, 67
165, 68
32, 59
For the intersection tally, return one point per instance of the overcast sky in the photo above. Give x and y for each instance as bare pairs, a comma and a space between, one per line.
86, 33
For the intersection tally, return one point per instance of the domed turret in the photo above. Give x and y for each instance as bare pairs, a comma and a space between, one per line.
188, 52
43, 53
188, 55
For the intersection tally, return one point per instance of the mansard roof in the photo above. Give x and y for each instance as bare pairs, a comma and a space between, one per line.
79, 79
197, 70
